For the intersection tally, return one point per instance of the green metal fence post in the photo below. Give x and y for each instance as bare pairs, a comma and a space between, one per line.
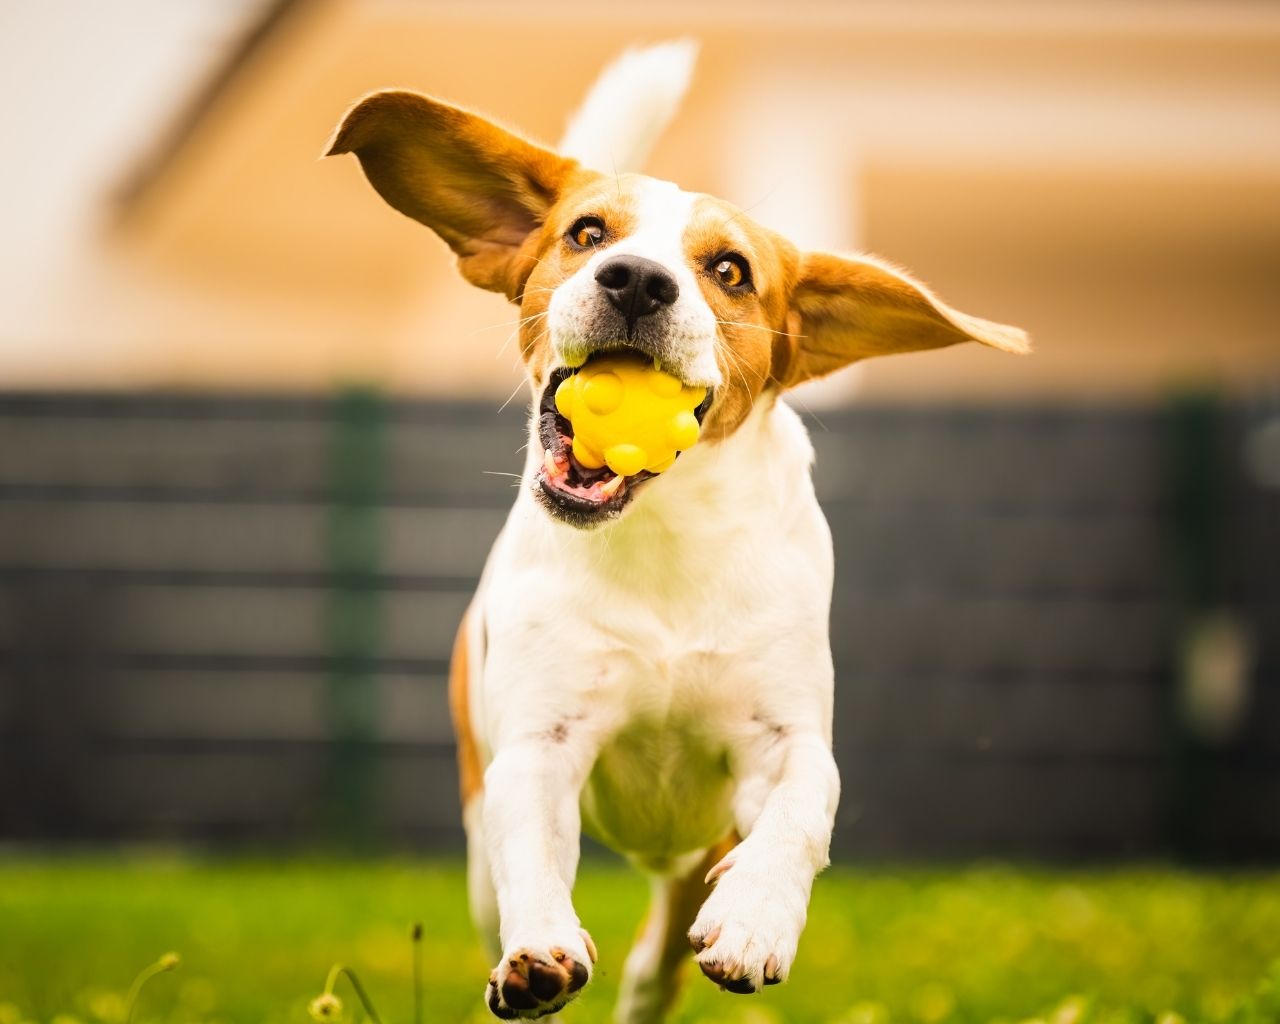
354, 615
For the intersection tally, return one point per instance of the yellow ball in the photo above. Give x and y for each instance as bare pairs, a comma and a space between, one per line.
628, 415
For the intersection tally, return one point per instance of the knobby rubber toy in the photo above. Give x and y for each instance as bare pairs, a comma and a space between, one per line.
628, 415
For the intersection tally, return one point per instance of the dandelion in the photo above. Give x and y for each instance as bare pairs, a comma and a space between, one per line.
1073, 1010
167, 962
103, 1005
328, 1006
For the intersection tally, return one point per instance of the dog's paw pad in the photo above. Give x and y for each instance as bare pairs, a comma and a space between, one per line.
528, 984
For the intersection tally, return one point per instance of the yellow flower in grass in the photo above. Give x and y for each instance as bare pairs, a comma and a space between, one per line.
325, 1007
1070, 1011
104, 1005
866, 1012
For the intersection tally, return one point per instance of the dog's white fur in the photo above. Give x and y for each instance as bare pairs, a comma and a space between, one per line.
664, 680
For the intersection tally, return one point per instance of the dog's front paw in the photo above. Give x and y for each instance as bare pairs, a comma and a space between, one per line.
533, 981
747, 931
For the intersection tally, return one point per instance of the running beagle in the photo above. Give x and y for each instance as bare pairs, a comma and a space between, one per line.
646, 658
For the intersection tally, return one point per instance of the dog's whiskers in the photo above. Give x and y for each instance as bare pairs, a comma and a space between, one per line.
733, 361
519, 325
511, 396
518, 321
759, 327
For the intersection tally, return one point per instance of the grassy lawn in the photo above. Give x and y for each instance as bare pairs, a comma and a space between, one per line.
982, 944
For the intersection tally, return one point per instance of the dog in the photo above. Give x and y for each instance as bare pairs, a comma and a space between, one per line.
646, 658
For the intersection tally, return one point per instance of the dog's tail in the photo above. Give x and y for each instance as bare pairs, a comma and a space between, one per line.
631, 103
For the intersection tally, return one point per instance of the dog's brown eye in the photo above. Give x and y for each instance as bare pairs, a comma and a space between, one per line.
732, 271
587, 232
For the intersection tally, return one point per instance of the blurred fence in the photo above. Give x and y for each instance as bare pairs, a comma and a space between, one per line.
229, 619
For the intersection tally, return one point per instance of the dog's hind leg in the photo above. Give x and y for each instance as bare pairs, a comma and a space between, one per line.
480, 891
652, 974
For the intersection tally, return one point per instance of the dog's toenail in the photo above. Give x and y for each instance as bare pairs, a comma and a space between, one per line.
719, 869
707, 940
591, 946
742, 986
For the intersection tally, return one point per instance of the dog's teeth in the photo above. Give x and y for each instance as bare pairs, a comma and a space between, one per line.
611, 488
552, 465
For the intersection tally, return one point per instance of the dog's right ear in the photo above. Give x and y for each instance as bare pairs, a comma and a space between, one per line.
479, 187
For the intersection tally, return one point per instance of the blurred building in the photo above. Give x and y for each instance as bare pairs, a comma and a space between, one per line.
1103, 173
226, 595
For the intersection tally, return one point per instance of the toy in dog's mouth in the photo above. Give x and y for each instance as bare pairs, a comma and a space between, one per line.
571, 490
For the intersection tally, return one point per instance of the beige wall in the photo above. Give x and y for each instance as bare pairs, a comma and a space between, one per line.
1107, 176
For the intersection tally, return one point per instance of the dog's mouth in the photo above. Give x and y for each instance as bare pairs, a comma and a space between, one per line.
575, 492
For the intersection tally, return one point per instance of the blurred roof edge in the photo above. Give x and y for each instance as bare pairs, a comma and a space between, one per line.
270, 20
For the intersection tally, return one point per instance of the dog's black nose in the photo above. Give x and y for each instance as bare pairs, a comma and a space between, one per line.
636, 286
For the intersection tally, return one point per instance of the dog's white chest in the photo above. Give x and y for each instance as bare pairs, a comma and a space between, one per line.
663, 782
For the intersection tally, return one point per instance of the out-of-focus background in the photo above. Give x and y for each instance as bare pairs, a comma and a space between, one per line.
253, 426
251, 415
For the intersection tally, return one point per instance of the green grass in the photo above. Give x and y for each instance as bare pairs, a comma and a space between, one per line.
257, 939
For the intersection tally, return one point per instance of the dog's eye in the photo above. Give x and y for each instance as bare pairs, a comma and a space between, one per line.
732, 271
587, 232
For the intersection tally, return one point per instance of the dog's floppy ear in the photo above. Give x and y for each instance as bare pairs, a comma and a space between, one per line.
479, 187
844, 309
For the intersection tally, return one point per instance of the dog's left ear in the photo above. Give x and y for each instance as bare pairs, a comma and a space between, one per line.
481, 188
844, 309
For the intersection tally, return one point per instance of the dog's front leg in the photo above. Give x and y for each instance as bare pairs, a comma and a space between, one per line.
747, 931
531, 830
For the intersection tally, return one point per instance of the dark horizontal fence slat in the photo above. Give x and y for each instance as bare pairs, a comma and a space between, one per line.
916, 805
253, 538
974, 552
252, 621
1000, 718
152, 449
256, 706
931, 632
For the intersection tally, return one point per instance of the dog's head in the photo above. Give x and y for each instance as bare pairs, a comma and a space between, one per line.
599, 262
